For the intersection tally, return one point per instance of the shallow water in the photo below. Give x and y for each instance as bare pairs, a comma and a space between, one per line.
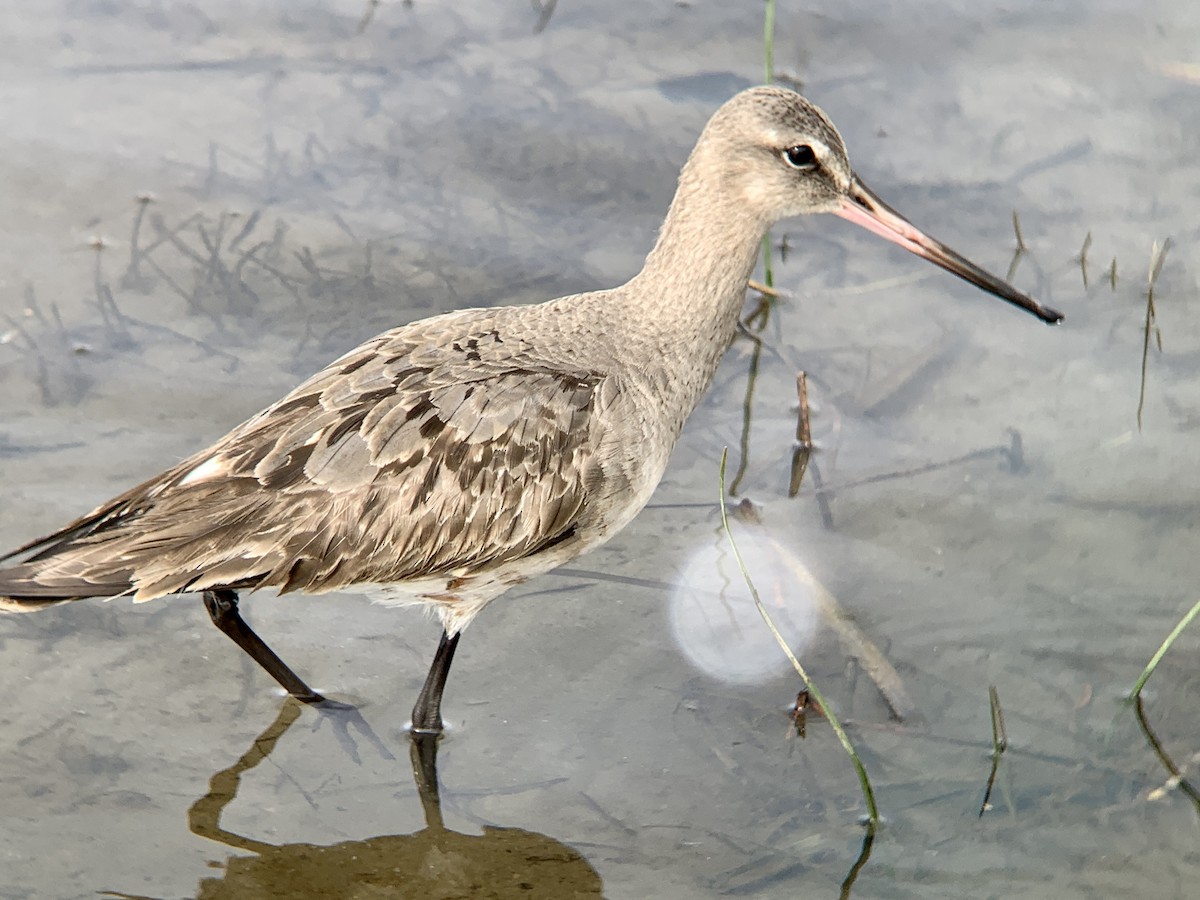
311, 186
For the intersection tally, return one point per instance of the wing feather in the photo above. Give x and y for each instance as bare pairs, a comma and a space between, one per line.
399, 461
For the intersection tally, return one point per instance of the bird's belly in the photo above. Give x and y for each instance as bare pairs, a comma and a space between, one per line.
457, 598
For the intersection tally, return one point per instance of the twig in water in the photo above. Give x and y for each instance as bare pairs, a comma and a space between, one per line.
236, 273
250, 224
1083, 252
1017, 230
43, 371
232, 361
801, 708
999, 732
1112, 274
1157, 256
854, 642
289, 283
172, 237
1177, 778
863, 856
174, 285
863, 780
214, 268
1016, 452
1156, 264
1012, 452
824, 498
367, 16
1019, 253
804, 444
165, 234
318, 286
544, 10
766, 289
99, 244
747, 414
114, 320
999, 745
756, 320
132, 276
1135, 697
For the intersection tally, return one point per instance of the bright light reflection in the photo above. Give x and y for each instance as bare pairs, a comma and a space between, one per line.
715, 621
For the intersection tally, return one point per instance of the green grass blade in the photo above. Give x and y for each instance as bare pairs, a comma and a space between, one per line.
1162, 650
863, 780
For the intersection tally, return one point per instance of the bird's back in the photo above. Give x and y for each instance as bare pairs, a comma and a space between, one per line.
458, 453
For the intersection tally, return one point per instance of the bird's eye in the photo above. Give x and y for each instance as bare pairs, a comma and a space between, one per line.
801, 157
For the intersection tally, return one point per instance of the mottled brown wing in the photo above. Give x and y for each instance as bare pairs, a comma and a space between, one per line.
398, 461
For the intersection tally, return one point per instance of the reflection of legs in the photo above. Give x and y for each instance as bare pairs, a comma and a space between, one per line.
423, 753
427, 714
222, 606
204, 818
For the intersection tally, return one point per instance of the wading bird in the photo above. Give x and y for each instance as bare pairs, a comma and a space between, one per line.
449, 459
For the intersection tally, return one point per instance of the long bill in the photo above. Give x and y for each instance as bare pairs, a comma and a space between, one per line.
862, 207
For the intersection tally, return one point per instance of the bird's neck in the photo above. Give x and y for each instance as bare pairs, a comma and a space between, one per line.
705, 252
691, 290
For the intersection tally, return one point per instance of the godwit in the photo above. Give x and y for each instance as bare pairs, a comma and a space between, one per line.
446, 460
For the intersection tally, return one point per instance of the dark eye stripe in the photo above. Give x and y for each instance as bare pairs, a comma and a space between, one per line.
800, 157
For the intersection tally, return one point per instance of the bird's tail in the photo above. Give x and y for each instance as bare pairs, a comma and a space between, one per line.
29, 604
33, 585
56, 569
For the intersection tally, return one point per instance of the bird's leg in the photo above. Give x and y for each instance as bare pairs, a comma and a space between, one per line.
427, 713
222, 606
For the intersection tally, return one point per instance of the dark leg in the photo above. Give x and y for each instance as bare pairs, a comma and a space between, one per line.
427, 714
222, 606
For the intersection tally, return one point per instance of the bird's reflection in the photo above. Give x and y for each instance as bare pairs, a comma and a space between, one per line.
431, 864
